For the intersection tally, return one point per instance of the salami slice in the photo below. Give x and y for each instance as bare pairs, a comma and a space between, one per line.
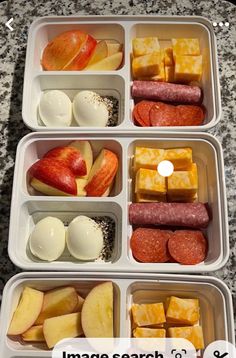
144, 108
188, 247
167, 92
193, 215
190, 115
150, 245
136, 117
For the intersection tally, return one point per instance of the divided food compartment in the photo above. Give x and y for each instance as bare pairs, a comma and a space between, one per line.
115, 83
28, 208
214, 296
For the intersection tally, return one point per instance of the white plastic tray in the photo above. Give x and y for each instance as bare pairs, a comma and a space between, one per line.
215, 302
28, 208
117, 83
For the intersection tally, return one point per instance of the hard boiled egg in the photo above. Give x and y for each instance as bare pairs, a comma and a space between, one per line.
48, 239
90, 110
84, 238
55, 109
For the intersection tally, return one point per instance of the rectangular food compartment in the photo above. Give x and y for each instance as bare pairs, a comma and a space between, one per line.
215, 302
111, 86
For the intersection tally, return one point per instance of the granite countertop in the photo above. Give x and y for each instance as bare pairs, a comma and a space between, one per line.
12, 54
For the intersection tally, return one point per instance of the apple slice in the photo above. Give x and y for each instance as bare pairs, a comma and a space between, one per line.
81, 184
87, 153
51, 172
69, 157
34, 334
58, 302
110, 63
114, 48
80, 304
27, 312
102, 173
97, 312
57, 328
100, 52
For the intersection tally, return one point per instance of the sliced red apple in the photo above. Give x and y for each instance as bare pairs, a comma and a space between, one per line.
87, 153
51, 172
110, 63
81, 184
114, 48
69, 157
100, 52
102, 173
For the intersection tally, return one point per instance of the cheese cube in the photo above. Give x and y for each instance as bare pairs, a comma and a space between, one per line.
146, 66
145, 45
170, 73
140, 332
150, 182
169, 59
147, 158
192, 334
183, 310
175, 198
190, 47
188, 68
146, 198
148, 314
181, 158
183, 182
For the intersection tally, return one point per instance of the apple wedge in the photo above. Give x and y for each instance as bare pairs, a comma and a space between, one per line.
100, 52
34, 334
97, 312
27, 312
113, 48
58, 302
87, 153
110, 63
57, 328
102, 173
81, 183
80, 304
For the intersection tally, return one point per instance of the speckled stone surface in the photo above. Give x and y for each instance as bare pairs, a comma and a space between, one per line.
12, 54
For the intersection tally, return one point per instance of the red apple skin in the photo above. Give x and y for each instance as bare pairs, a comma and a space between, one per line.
62, 49
69, 157
82, 58
50, 171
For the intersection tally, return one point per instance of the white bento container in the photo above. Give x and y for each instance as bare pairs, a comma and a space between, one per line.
117, 83
215, 302
28, 207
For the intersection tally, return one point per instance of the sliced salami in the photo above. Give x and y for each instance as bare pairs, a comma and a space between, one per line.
188, 247
144, 108
150, 245
136, 117
193, 215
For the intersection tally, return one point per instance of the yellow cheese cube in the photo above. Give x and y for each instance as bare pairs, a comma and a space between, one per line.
147, 65
150, 182
181, 158
190, 47
170, 73
140, 332
175, 198
148, 314
183, 310
146, 198
147, 158
192, 334
169, 60
145, 45
188, 68
183, 182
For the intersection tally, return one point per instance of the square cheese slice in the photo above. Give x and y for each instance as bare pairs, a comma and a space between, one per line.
150, 182
147, 65
147, 158
183, 182
192, 334
183, 310
170, 73
188, 68
148, 314
181, 158
141, 332
147, 198
183, 46
145, 45
168, 58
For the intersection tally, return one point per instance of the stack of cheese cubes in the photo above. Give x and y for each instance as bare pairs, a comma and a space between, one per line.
150, 186
180, 63
178, 318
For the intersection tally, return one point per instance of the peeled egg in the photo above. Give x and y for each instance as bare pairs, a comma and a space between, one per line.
90, 110
84, 238
48, 239
55, 109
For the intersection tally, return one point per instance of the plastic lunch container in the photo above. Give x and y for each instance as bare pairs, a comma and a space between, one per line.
116, 83
215, 302
28, 206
